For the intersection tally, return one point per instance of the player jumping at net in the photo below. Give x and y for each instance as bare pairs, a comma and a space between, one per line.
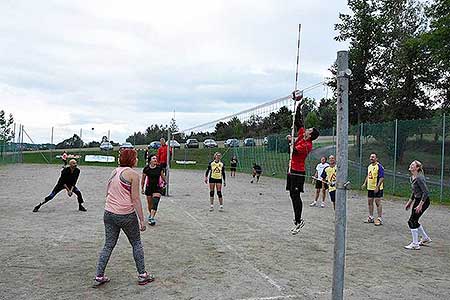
152, 178
256, 171
67, 181
321, 187
329, 176
374, 181
215, 175
420, 201
296, 178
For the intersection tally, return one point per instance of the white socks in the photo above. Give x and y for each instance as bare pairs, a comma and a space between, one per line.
422, 233
415, 236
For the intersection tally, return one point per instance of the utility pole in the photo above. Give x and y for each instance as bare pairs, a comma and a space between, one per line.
341, 175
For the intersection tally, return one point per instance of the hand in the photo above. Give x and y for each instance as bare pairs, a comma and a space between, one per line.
142, 191
363, 186
408, 205
418, 209
377, 189
206, 180
142, 226
289, 138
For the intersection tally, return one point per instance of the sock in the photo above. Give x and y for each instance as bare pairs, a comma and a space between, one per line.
415, 236
423, 233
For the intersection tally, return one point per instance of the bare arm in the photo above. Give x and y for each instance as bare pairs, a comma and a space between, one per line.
143, 181
163, 176
135, 197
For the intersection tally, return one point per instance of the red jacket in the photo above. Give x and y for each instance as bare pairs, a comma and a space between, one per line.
302, 148
162, 154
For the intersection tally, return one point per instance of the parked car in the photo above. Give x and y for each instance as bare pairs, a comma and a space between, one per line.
105, 146
231, 143
191, 143
174, 144
155, 145
210, 143
265, 141
249, 142
126, 145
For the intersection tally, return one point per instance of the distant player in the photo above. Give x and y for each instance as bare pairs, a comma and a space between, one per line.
256, 171
215, 175
374, 181
296, 178
329, 175
233, 166
162, 155
321, 187
64, 159
152, 178
67, 181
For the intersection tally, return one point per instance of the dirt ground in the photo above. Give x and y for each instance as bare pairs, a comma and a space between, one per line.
246, 252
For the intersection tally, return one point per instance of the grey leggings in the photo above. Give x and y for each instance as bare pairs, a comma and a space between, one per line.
130, 225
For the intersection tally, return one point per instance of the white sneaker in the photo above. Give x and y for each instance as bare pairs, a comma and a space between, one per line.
211, 208
313, 204
413, 246
298, 227
322, 205
425, 242
221, 208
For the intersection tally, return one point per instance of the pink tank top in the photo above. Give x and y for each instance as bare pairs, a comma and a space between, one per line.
118, 194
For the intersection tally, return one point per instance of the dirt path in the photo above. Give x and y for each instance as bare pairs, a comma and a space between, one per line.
245, 252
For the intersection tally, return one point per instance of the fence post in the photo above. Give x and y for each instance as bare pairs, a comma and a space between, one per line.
341, 176
361, 136
395, 155
442, 159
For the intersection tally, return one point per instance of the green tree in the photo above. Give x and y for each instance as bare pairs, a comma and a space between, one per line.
6, 123
327, 113
73, 142
311, 120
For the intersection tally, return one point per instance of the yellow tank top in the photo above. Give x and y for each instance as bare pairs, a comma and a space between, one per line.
216, 170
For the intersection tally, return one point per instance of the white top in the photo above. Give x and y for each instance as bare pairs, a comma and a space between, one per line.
320, 167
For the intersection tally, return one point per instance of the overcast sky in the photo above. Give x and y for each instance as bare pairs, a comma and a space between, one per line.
123, 65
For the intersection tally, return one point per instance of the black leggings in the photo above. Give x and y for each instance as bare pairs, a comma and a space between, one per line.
58, 188
295, 183
413, 221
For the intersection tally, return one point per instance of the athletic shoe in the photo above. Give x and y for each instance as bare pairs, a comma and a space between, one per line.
425, 242
81, 208
149, 219
221, 208
251, 181
298, 227
378, 221
322, 205
369, 220
152, 222
36, 208
211, 208
413, 246
145, 278
98, 281
313, 204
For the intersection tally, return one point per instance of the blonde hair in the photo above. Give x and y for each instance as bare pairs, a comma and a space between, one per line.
217, 153
419, 166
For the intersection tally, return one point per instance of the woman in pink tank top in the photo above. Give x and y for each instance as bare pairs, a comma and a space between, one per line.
122, 209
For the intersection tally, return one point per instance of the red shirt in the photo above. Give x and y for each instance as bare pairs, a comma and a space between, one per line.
302, 148
162, 154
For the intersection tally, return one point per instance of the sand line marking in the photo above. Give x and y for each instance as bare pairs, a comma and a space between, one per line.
233, 250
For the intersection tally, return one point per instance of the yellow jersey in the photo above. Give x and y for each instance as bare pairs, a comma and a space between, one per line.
216, 169
374, 174
329, 174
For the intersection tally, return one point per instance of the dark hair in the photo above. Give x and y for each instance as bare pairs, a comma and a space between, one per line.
374, 153
314, 134
127, 158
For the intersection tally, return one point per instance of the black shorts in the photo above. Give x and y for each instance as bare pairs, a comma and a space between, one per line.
333, 196
150, 190
372, 194
321, 184
213, 180
233, 169
294, 181
258, 172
